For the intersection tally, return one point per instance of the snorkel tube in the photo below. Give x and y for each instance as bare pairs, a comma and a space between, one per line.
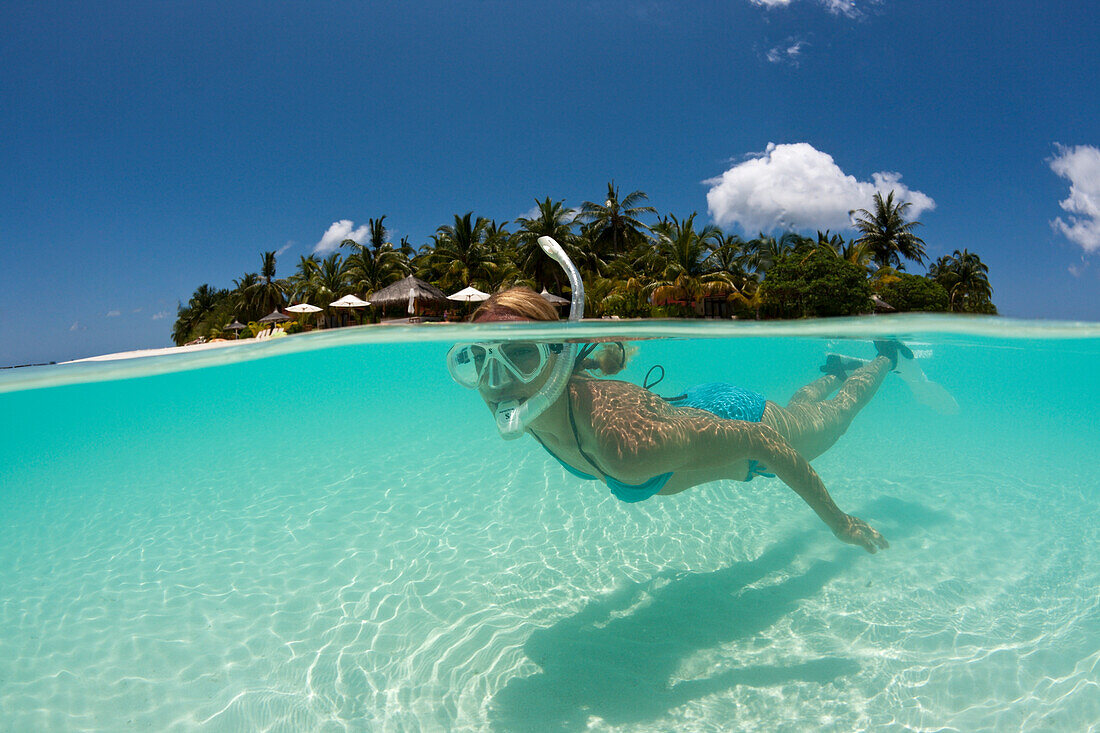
512, 416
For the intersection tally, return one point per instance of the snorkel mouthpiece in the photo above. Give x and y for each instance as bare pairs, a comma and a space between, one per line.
513, 417
506, 413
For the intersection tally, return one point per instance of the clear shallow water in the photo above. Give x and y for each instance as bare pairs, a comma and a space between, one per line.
327, 534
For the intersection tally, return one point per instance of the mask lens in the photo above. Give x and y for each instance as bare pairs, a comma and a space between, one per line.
526, 358
465, 363
469, 364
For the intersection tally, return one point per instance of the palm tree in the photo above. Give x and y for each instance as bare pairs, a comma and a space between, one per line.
833, 242
329, 282
200, 307
378, 232
966, 279
553, 220
683, 253
729, 257
244, 297
300, 284
762, 252
463, 254
502, 251
269, 292
888, 235
368, 269
613, 226
858, 253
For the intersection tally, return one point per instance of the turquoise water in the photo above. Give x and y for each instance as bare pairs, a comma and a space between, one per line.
325, 533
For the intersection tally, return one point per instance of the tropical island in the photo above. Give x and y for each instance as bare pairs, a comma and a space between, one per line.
668, 268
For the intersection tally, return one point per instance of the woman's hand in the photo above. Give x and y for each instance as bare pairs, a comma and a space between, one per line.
855, 531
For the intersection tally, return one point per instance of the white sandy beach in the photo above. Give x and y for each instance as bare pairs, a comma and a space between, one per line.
138, 353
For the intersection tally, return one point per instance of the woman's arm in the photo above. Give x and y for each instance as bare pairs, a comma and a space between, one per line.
769, 447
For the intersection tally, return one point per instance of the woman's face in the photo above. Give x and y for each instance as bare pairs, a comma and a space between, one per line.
498, 384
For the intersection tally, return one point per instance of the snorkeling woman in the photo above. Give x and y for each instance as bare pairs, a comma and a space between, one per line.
641, 444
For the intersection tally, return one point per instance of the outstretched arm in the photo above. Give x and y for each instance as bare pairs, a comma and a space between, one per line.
768, 447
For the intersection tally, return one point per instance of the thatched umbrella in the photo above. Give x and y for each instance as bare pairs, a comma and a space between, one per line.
410, 290
236, 326
274, 317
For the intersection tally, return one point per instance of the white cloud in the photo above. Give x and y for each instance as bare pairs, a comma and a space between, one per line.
338, 232
1081, 165
76, 326
279, 252
796, 186
535, 212
841, 7
160, 315
787, 51
837, 7
114, 314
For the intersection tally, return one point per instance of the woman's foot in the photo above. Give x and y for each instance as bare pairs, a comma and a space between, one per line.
839, 365
892, 349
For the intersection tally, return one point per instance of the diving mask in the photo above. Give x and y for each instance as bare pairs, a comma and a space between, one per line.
494, 363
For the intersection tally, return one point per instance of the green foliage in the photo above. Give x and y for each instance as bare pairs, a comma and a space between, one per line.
886, 233
632, 268
907, 292
966, 279
814, 285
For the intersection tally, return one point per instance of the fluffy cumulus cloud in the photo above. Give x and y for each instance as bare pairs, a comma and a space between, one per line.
798, 187
338, 232
1080, 165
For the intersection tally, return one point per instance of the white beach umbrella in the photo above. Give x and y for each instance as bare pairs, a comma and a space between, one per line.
469, 294
302, 308
349, 301
412, 301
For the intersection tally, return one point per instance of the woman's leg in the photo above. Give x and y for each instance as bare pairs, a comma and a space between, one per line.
816, 390
811, 427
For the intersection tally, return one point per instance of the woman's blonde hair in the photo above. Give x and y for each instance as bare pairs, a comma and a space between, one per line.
523, 303
513, 304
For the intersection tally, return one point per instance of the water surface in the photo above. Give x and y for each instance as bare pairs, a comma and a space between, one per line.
325, 533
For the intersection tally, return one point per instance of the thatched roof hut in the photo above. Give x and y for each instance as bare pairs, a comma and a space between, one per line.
423, 294
274, 317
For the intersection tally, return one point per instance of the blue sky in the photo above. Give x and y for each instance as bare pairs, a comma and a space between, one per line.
150, 147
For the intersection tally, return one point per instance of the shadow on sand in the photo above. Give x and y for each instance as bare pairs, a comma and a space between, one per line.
614, 659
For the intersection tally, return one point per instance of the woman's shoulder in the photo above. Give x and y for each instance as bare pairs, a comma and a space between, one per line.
609, 398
